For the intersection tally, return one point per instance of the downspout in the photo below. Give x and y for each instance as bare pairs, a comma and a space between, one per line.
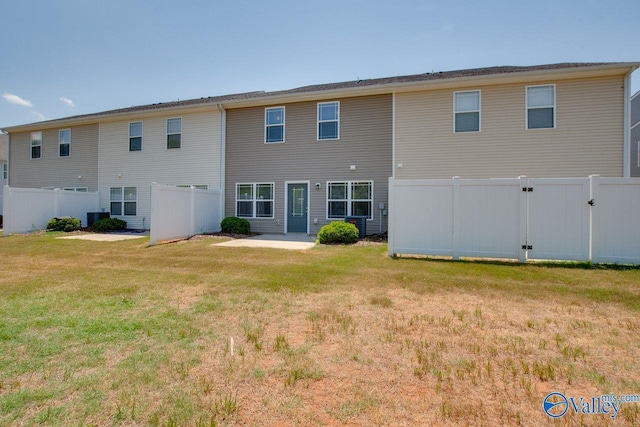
8, 160
99, 172
223, 138
393, 135
626, 155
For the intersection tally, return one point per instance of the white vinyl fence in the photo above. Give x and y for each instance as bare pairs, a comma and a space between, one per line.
581, 219
178, 212
28, 209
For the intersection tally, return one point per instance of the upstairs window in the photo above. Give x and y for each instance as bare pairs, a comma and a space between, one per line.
541, 107
135, 136
466, 111
274, 125
328, 120
174, 133
64, 143
5, 171
36, 145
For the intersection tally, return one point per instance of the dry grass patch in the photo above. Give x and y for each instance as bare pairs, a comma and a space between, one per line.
122, 334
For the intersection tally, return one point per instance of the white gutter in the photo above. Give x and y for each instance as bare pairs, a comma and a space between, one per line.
393, 136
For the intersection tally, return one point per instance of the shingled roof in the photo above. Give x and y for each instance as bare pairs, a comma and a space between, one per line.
440, 75
348, 85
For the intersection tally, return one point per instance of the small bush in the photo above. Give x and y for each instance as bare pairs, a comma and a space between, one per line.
338, 233
235, 225
64, 224
0, 220
108, 224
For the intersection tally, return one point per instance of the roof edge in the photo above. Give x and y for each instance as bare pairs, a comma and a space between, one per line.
425, 81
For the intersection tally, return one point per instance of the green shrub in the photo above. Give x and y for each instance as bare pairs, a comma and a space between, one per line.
235, 225
108, 224
66, 224
338, 232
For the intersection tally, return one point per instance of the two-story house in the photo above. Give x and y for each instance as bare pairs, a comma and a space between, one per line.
294, 160
295, 165
119, 153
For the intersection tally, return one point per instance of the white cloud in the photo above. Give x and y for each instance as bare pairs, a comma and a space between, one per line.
39, 117
67, 101
15, 99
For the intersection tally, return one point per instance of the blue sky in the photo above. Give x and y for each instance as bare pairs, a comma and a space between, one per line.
67, 57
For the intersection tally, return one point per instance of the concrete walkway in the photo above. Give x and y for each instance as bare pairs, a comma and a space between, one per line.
292, 241
109, 237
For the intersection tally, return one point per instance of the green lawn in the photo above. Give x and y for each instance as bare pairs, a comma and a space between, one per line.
96, 333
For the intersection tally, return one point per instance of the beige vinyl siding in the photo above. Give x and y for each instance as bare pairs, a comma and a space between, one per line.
53, 171
365, 141
4, 146
197, 162
588, 138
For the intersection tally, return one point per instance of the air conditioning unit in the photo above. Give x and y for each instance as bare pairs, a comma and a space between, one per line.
360, 222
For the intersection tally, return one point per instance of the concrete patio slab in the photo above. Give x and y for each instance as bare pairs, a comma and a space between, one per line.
291, 241
111, 237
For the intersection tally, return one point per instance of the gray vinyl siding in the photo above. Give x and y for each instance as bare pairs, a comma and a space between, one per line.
635, 109
635, 156
365, 141
587, 139
635, 136
50, 170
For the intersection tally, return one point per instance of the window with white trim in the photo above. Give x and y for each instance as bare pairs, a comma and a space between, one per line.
466, 111
174, 133
36, 145
328, 120
541, 107
64, 143
254, 200
135, 136
123, 201
349, 198
5, 171
274, 125
76, 189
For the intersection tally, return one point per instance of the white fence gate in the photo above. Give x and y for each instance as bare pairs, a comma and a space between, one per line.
28, 209
178, 212
558, 219
578, 219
